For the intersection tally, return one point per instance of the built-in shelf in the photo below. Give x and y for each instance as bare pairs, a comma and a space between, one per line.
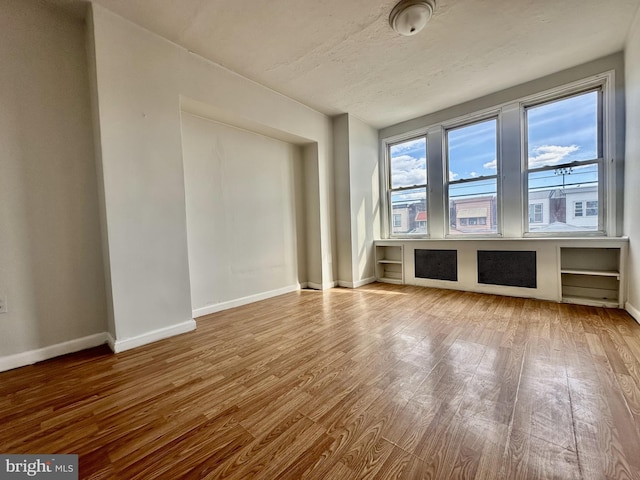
601, 273
586, 271
590, 275
389, 264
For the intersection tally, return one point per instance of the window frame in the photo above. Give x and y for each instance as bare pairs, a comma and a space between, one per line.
576, 204
604, 85
447, 127
541, 205
390, 190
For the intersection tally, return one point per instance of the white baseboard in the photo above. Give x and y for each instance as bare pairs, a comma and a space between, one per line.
218, 307
633, 311
357, 284
111, 342
128, 343
22, 359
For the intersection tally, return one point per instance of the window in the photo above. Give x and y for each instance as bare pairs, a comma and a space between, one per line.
564, 160
590, 211
533, 166
473, 221
472, 171
535, 213
408, 186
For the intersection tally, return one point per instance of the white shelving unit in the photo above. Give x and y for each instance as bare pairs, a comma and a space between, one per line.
586, 271
389, 263
591, 276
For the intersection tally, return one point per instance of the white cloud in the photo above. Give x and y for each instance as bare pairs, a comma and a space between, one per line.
474, 174
492, 165
407, 170
546, 155
452, 175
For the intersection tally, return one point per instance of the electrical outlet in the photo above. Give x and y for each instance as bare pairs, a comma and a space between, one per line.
3, 304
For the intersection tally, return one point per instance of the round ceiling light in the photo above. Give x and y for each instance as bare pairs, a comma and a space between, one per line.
408, 17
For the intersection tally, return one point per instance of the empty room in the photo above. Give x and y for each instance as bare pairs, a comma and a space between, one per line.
353, 239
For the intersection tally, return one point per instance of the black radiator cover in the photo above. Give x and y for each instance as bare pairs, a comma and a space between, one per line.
510, 268
436, 264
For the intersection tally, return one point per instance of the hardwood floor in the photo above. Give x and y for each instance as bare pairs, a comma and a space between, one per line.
387, 382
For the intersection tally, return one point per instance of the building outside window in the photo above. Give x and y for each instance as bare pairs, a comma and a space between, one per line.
421, 221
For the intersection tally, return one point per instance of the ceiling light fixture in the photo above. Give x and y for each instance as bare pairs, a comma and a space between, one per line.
408, 17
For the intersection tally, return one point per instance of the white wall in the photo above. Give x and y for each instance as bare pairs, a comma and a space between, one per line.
343, 192
141, 80
244, 211
357, 187
50, 249
365, 197
632, 165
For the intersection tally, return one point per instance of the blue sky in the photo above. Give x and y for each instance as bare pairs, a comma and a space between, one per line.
472, 150
558, 132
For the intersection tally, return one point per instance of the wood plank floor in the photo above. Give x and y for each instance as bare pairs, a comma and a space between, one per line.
387, 382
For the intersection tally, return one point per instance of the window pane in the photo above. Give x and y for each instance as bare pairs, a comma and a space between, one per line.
472, 207
471, 153
563, 193
472, 150
563, 131
409, 211
559, 133
408, 163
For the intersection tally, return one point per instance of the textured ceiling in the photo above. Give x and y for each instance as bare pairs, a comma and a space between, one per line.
341, 55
